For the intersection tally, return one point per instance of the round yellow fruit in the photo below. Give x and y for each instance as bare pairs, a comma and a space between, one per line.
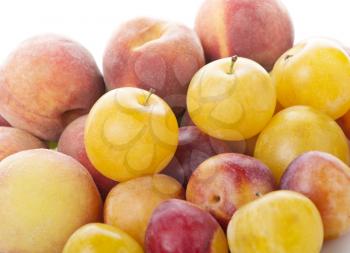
296, 130
45, 196
130, 133
281, 221
101, 238
231, 99
314, 73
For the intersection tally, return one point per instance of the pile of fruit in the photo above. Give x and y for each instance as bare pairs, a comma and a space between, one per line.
164, 154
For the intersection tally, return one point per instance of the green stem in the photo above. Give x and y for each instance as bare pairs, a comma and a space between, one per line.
151, 92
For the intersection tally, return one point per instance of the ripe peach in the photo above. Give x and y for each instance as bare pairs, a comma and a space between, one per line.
149, 53
225, 182
130, 204
13, 140
325, 180
45, 196
179, 226
47, 82
71, 143
255, 29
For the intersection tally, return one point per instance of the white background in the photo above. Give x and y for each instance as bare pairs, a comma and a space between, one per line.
92, 23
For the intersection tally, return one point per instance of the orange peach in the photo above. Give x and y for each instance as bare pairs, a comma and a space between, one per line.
325, 180
255, 29
179, 226
224, 183
149, 53
47, 82
71, 143
45, 196
130, 204
13, 140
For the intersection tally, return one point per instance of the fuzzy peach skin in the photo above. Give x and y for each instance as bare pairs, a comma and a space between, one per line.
224, 183
45, 196
179, 226
47, 82
255, 29
13, 140
71, 143
325, 180
130, 204
150, 53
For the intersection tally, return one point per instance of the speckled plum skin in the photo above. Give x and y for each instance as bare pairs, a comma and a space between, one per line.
225, 182
47, 82
71, 143
177, 226
325, 180
150, 53
255, 29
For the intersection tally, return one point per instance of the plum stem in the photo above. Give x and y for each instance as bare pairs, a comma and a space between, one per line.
258, 194
288, 56
233, 61
151, 92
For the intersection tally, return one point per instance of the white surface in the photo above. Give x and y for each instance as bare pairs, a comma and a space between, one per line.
92, 23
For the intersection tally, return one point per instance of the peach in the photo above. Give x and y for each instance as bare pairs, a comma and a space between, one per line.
47, 82
130, 204
325, 180
195, 147
45, 196
13, 140
224, 183
255, 29
149, 53
71, 143
179, 226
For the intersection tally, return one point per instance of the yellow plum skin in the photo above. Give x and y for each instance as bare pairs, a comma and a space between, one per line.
224, 103
296, 130
316, 73
101, 238
130, 133
281, 221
